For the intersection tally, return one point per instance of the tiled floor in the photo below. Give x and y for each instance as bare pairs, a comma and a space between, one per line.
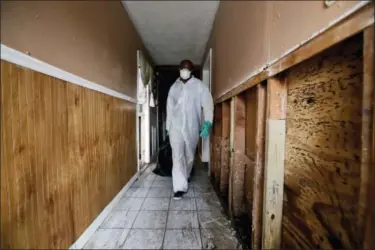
148, 218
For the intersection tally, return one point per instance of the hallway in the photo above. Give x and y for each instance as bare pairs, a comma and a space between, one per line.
84, 98
148, 218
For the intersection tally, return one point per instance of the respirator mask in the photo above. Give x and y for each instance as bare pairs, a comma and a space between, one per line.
185, 74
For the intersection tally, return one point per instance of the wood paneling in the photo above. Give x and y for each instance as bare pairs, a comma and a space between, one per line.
66, 151
323, 150
255, 134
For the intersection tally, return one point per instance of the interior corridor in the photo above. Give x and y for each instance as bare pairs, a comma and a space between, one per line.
287, 163
147, 217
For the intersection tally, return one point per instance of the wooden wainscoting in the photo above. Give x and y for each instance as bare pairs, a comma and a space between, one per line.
66, 151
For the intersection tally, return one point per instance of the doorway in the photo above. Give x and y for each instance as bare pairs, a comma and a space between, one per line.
146, 113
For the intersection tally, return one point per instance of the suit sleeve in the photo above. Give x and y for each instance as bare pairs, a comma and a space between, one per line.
207, 103
170, 104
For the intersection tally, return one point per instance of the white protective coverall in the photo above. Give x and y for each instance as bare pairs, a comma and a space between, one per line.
184, 104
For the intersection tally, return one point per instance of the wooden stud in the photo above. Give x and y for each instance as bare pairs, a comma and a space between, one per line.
231, 146
217, 145
274, 163
218, 131
255, 145
225, 148
237, 168
368, 144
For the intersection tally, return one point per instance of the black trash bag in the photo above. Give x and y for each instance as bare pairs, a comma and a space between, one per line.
165, 163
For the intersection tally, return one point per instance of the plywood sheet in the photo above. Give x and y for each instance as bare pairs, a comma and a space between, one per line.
66, 151
323, 150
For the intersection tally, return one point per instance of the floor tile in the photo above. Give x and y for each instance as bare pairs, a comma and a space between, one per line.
203, 190
142, 184
156, 204
150, 177
190, 193
120, 219
182, 239
163, 178
200, 184
213, 219
137, 192
207, 203
183, 204
144, 239
160, 192
182, 220
107, 238
127, 203
151, 220
165, 183
222, 239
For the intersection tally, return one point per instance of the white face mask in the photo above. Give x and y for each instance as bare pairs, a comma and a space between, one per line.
185, 74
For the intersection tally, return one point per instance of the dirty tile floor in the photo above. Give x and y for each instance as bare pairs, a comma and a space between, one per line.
148, 218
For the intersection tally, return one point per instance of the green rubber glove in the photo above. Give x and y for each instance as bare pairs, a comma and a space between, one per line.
205, 130
166, 132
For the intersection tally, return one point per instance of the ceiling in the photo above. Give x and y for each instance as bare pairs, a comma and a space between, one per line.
173, 30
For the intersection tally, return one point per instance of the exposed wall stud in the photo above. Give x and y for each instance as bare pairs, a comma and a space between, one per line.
274, 163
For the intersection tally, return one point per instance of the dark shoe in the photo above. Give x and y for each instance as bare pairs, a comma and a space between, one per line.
178, 195
189, 179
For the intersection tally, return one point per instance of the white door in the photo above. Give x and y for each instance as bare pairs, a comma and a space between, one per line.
206, 79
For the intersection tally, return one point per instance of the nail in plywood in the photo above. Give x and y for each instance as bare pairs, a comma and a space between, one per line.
225, 148
237, 168
274, 163
255, 145
323, 150
368, 139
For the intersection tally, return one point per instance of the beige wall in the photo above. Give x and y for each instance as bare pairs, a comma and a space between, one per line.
248, 34
92, 39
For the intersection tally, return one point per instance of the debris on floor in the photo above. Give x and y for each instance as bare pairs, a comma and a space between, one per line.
148, 218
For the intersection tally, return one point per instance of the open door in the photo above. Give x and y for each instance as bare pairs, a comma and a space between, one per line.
206, 79
145, 114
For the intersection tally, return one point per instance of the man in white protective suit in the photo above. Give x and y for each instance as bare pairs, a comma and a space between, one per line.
186, 98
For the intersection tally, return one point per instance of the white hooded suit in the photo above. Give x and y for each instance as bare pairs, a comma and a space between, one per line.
184, 104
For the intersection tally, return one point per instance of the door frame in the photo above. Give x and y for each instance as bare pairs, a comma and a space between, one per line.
206, 142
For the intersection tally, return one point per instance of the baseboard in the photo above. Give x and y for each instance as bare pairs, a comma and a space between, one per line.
83, 239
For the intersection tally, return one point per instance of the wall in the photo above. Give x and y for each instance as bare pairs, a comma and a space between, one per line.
66, 152
94, 40
246, 35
